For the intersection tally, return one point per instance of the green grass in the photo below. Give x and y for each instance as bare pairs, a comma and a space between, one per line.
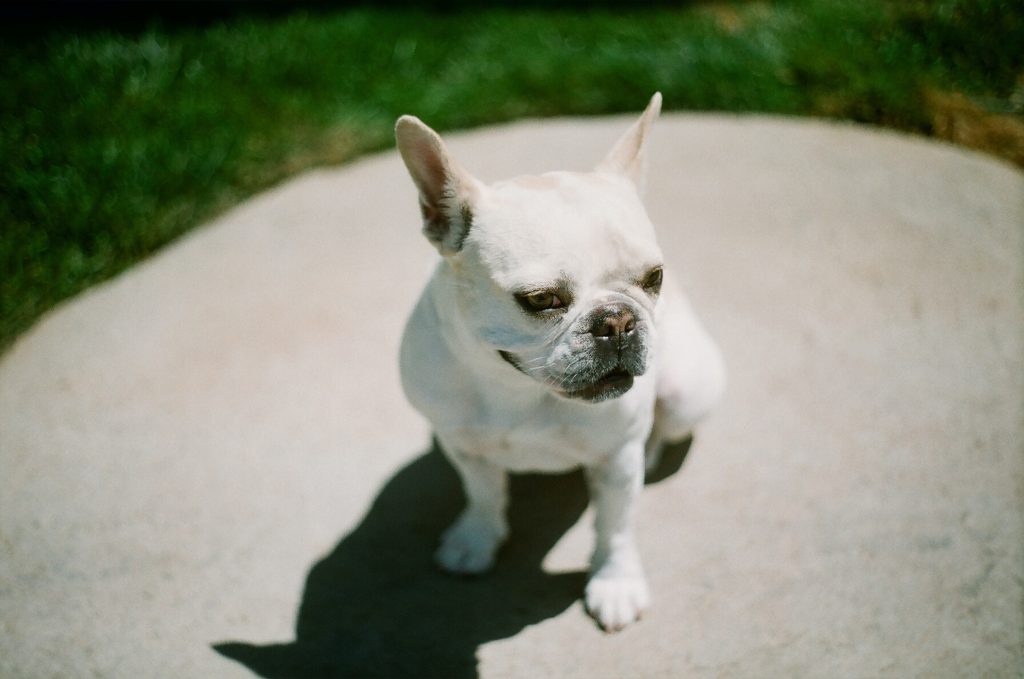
114, 143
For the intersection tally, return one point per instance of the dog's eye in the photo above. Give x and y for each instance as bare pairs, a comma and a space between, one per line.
540, 301
652, 281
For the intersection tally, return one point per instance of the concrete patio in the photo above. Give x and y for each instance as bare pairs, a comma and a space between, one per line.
207, 467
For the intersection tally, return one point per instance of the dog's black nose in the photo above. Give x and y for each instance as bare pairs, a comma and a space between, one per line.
613, 320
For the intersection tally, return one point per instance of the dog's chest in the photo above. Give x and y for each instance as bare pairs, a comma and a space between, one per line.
551, 437
543, 448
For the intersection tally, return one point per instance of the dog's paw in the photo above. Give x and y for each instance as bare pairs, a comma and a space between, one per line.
469, 546
616, 601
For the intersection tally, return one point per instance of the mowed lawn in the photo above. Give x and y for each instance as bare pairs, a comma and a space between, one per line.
114, 141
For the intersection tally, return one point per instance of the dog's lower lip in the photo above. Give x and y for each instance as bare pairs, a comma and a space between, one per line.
611, 385
614, 377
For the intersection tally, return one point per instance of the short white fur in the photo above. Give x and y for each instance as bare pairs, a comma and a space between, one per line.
502, 385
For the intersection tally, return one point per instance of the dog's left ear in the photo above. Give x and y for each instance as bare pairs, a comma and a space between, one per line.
447, 192
628, 156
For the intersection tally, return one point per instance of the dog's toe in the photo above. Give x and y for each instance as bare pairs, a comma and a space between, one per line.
616, 601
469, 546
463, 559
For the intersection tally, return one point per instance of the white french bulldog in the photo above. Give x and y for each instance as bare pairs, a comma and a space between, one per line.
551, 337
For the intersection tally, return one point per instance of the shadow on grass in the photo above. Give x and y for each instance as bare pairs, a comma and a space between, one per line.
377, 607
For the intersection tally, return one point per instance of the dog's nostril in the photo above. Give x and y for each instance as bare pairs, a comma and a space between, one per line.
615, 321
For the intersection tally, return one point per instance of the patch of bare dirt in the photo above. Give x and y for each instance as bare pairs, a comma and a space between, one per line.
956, 118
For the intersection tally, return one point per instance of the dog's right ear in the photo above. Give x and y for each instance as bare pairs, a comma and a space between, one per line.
447, 192
629, 155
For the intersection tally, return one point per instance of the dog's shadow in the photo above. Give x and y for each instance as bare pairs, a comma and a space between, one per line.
378, 607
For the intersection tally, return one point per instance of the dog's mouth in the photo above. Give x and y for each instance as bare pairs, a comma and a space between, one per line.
612, 384
512, 360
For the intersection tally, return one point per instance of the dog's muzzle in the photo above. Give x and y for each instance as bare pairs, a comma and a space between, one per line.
609, 349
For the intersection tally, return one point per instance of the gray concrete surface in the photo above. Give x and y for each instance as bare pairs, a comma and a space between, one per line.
207, 467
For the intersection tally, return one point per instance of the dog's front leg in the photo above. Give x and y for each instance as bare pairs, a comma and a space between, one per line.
470, 544
617, 590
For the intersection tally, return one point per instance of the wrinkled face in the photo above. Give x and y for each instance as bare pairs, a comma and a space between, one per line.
559, 276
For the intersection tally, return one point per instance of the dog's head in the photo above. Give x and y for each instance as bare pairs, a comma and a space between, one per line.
558, 274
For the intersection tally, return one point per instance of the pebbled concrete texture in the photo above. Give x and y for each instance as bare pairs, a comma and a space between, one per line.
208, 468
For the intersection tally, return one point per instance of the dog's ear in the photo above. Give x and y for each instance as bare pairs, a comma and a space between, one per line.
628, 156
447, 192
